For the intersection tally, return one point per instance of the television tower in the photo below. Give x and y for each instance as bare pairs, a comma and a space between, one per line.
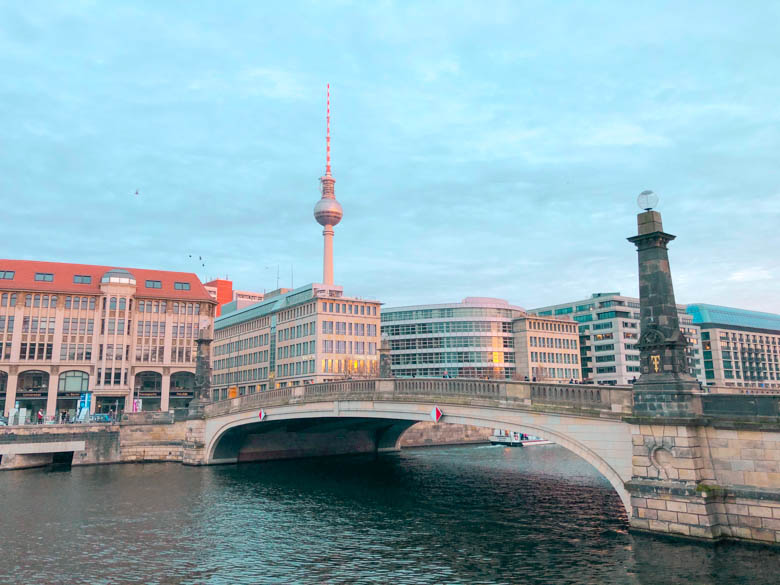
328, 211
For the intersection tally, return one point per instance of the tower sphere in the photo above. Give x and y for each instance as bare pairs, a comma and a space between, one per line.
328, 212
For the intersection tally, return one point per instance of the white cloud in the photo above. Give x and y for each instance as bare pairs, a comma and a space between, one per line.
623, 134
750, 275
274, 83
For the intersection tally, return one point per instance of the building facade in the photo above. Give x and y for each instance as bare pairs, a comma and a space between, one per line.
608, 325
118, 334
739, 348
295, 337
547, 349
221, 290
481, 338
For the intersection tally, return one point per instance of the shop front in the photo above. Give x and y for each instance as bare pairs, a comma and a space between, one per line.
32, 392
182, 389
148, 391
71, 386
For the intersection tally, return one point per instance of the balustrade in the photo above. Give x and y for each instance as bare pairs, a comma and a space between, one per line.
576, 396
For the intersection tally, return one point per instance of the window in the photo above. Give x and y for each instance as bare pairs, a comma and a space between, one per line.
82, 279
153, 284
7, 274
44, 277
181, 285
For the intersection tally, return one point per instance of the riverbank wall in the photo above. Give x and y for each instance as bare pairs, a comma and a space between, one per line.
157, 437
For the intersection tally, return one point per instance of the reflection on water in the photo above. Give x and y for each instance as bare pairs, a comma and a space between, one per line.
452, 515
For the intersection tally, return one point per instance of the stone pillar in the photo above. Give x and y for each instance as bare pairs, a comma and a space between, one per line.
165, 393
385, 363
51, 399
670, 460
665, 388
10, 390
202, 388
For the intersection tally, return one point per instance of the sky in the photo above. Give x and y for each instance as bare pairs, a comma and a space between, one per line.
488, 149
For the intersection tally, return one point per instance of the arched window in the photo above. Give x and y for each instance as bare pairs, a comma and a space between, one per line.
112, 304
73, 381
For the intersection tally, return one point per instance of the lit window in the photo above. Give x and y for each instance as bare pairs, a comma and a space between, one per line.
44, 277
153, 284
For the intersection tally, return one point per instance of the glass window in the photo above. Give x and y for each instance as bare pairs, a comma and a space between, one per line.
181, 285
82, 279
7, 274
44, 277
153, 284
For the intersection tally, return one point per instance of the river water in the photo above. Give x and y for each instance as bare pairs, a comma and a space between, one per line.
470, 515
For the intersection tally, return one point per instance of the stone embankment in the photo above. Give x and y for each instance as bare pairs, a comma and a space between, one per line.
149, 437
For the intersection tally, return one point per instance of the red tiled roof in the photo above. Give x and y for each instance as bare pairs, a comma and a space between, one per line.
25, 270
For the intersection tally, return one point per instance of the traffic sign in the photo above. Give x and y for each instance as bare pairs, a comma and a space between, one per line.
436, 414
261, 415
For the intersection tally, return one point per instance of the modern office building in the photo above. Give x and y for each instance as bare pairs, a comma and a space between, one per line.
296, 337
608, 326
479, 338
739, 348
118, 334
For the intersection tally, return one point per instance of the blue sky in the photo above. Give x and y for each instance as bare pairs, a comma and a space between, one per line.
479, 148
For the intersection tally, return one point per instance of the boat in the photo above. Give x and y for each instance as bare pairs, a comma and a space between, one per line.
516, 439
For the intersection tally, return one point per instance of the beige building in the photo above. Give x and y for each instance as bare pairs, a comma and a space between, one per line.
124, 336
295, 337
547, 348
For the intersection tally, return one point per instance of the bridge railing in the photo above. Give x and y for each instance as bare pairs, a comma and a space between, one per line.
570, 397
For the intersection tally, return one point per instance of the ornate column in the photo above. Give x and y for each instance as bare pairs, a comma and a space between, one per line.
670, 460
202, 387
665, 388
385, 363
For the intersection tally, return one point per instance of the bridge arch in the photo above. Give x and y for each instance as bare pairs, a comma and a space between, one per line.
393, 420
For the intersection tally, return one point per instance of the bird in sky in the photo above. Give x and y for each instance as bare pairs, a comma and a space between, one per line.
136, 191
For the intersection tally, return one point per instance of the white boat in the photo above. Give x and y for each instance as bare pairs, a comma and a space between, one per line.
516, 439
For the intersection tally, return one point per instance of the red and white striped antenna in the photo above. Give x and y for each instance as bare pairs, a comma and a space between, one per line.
327, 138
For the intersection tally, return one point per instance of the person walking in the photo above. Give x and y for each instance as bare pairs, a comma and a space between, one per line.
40, 416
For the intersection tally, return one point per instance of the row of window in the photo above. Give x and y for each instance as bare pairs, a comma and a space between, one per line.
554, 357
349, 308
448, 327
447, 342
358, 347
478, 372
347, 328
448, 312
453, 357
242, 344
246, 359
553, 342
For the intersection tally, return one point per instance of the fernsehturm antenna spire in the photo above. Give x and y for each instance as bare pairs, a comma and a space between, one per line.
328, 211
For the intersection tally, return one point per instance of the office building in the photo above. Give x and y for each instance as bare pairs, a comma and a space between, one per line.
608, 326
118, 334
739, 348
482, 338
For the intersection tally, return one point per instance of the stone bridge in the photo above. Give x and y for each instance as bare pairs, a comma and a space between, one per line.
713, 475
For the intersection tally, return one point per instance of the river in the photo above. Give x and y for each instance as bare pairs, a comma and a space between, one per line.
467, 515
